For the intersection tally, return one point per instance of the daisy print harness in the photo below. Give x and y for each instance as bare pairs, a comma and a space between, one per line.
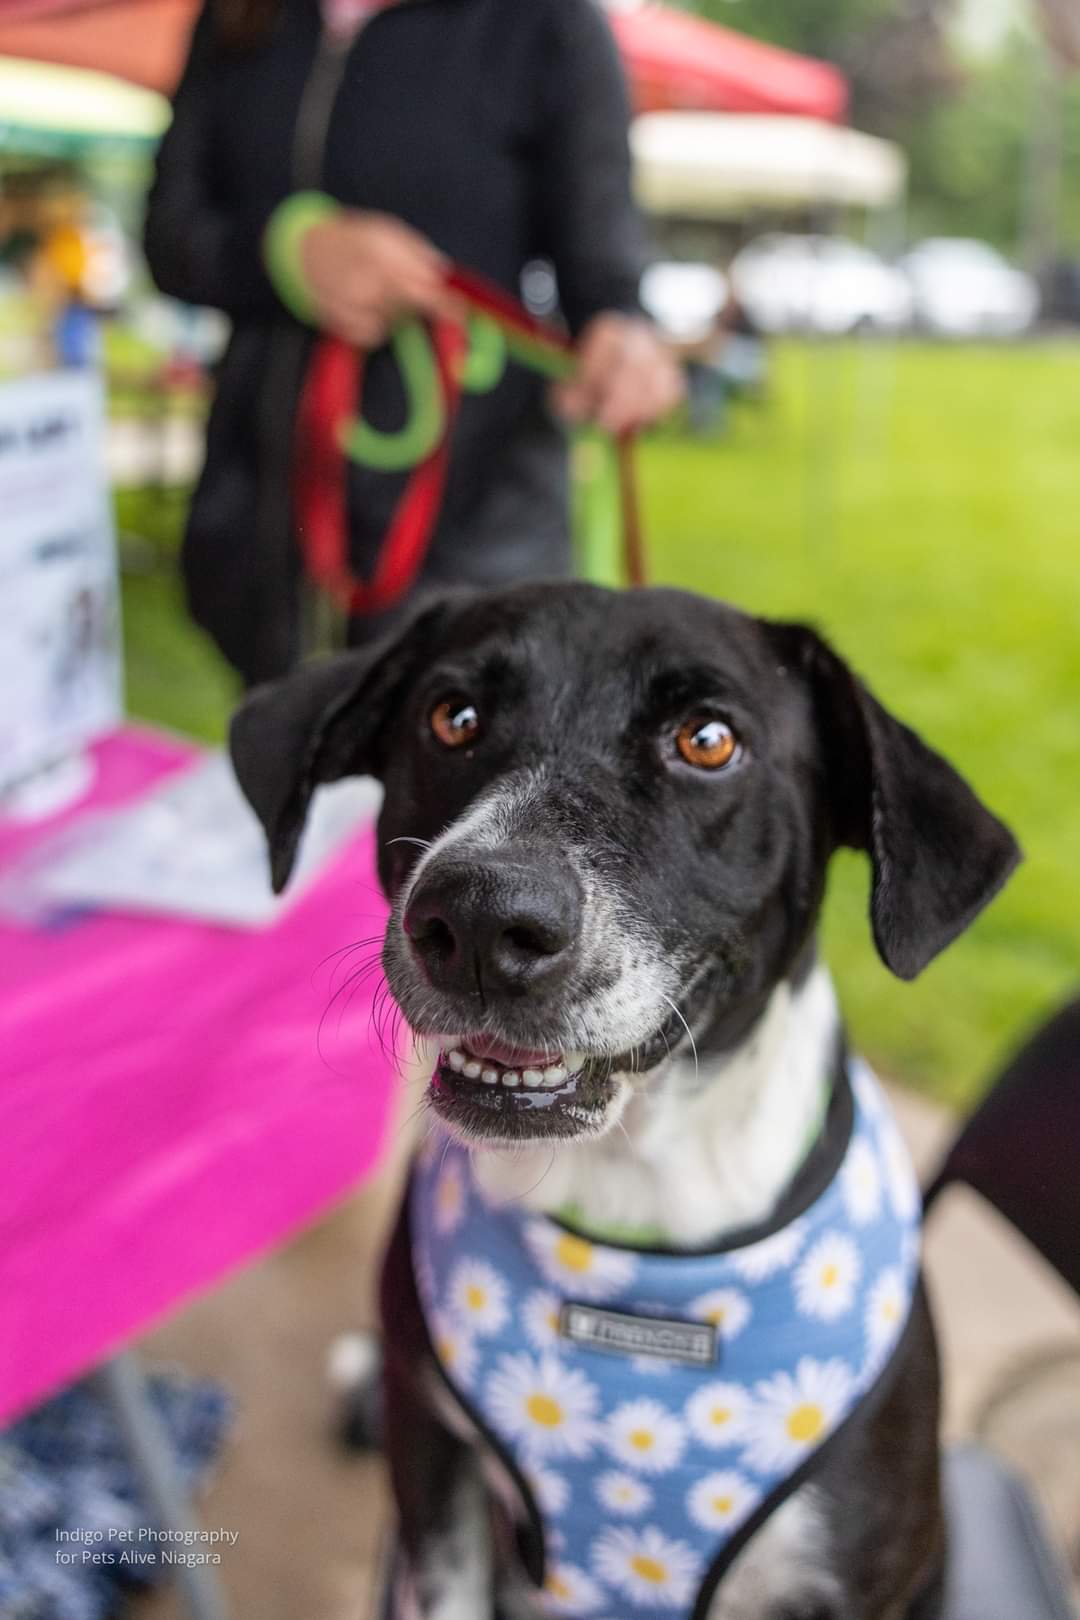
654, 1407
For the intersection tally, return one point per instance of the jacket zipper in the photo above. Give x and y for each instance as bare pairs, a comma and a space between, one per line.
317, 102
318, 99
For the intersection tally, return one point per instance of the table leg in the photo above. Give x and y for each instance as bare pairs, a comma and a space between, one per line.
121, 1383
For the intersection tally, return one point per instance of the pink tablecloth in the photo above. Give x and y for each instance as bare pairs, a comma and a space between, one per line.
168, 1106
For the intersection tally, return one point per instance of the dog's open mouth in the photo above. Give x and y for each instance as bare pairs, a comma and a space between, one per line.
509, 1067
489, 1088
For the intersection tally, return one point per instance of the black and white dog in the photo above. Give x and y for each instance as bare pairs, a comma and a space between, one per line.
605, 834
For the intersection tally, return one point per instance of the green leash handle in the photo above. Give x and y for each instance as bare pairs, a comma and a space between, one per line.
426, 422
410, 344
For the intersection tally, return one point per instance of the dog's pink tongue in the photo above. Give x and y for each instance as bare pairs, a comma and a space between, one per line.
512, 1057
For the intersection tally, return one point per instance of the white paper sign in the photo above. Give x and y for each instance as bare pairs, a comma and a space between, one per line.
189, 848
60, 668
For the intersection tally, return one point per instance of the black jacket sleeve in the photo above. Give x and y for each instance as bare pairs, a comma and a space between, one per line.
196, 247
591, 227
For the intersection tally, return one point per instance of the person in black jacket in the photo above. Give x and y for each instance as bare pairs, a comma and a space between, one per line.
487, 133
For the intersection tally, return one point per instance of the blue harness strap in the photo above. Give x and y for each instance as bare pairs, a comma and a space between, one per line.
653, 1405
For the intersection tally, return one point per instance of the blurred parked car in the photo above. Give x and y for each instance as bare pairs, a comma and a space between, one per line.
685, 300
819, 284
963, 288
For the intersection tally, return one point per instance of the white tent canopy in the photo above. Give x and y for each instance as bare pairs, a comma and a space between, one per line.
721, 165
49, 109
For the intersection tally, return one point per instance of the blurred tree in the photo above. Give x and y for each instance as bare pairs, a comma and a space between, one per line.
968, 156
896, 53
966, 121
1061, 20
971, 157
901, 64
818, 27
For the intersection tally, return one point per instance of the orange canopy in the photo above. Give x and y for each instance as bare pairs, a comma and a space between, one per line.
674, 60
141, 40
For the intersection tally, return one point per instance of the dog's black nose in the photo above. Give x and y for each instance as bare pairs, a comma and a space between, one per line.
498, 923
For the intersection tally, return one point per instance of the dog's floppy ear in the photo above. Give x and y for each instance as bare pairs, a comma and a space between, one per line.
316, 725
937, 854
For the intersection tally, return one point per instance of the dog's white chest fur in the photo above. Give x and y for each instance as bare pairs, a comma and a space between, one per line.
695, 1155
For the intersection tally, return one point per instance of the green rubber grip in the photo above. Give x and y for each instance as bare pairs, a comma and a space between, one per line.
285, 231
413, 443
486, 359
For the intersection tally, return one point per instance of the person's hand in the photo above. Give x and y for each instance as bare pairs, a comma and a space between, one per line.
363, 271
627, 378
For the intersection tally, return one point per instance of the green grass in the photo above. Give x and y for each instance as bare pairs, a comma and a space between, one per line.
175, 676
919, 505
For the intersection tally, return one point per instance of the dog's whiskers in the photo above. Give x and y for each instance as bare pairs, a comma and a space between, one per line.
689, 1032
384, 1010
354, 945
422, 1107
528, 1191
352, 982
342, 995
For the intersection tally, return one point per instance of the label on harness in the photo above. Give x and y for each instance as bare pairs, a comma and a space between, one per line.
693, 1343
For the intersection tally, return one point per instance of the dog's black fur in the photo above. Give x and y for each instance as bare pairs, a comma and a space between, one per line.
723, 872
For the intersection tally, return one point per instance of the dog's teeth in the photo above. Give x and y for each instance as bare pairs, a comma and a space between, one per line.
471, 1071
457, 1061
554, 1076
532, 1077
574, 1061
512, 1078
489, 1076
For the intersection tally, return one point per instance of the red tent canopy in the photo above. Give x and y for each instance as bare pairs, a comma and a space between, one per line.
678, 61
144, 41
673, 59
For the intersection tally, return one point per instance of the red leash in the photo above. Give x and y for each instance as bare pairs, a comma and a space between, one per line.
331, 396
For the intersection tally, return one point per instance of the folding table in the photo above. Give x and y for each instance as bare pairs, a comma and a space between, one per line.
174, 1100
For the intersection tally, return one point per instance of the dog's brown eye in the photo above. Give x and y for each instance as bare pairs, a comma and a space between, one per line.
709, 744
455, 723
